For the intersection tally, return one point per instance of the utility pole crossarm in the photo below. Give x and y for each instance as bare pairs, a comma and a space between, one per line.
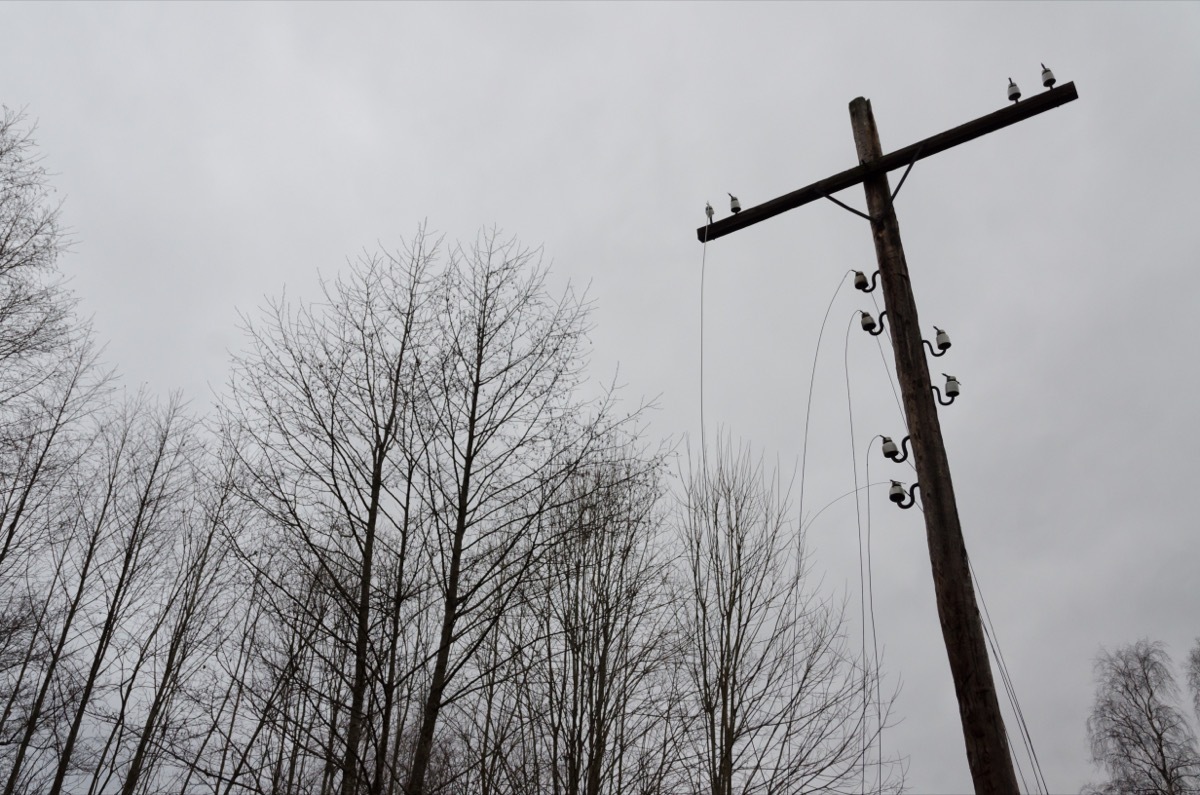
901, 158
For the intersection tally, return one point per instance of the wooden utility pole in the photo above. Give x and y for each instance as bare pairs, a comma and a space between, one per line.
983, 727
987, 748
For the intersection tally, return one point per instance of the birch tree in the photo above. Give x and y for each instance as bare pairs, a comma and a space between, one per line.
1137, 730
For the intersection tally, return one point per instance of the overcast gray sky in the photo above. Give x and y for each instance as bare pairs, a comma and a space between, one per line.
209, 155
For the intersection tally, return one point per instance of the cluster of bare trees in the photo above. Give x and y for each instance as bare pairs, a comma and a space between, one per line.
406, 556
1139, 732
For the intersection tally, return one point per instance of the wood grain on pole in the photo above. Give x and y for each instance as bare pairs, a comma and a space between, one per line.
983, 727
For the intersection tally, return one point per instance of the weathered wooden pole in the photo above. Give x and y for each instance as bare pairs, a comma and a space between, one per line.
983, 726
988, 754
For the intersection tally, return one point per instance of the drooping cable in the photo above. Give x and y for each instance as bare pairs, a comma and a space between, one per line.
874, 636
812, 380
865, 487
867, 591
989, 629
862, 595
703, 428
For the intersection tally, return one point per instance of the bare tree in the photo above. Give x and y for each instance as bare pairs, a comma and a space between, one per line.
780, 700
42, 444
321, 417
134, 509
575, 695
35, 314
1137, 731
418, 562
112, 516
178, 637
503, 431
1193, 677
48, 386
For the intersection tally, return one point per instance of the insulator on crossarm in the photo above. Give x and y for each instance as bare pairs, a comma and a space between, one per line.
1047, 77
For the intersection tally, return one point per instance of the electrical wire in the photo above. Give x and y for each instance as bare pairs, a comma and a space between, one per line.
866, 578
1017, 762
812, 380
803, 471
703, 428
1010, 690
867, 591
862, 595
989, 632
888, 370
805, 527
804, 458
988, 628
1007, 737
874, 636
1002, 666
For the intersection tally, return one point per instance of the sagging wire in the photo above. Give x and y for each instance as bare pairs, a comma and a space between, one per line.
811, 381
805, 527
862, 595
867, 583
988, 627
703, 427
874, 637
854, 492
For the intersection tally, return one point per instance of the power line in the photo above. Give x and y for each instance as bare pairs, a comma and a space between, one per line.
703, 428
862, 596
1002, 666
888, 370
811, 381
871, 592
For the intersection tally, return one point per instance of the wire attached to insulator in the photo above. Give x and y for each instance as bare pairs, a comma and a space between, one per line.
708, 209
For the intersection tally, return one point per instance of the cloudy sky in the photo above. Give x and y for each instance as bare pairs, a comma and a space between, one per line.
210, 155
